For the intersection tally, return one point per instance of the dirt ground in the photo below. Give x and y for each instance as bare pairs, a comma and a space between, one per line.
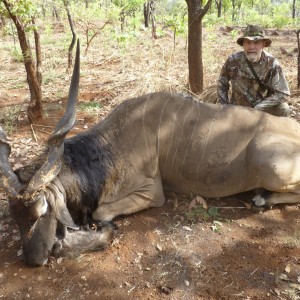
191, 248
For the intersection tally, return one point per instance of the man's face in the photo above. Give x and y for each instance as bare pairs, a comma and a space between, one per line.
253, 49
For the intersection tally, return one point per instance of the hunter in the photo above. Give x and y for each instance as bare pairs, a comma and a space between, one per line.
255, 76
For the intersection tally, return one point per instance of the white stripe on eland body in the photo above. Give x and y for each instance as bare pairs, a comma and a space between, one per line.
173, 130
207, 139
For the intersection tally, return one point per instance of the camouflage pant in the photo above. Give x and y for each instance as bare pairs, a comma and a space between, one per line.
280, 110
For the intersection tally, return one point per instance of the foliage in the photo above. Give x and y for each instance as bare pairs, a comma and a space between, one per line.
176, 18
91, 19
92, 108
281, 15
199, 213
210, 20
24, 9
266, 13
93, 13
128, 6
124, 38
17, 55
127, 15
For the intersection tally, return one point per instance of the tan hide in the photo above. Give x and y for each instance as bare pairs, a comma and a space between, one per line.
192, 147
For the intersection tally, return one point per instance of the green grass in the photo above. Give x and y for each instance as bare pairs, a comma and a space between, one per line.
91, 107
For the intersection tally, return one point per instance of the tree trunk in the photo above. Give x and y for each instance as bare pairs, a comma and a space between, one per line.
35, 105
153, 22
71, 47
38, 53
219, 8
146, 14
55, 13
44, 10
294, 9
122, 19
86, 4
298, 76
195, 16
3, 21
233, 10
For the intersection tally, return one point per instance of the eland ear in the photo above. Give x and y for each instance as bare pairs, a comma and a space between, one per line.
56, 200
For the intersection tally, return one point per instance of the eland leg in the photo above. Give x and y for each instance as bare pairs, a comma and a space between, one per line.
268, 199
150, 194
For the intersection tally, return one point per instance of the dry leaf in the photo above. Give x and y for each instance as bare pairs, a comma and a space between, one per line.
192, 203
295, 286
198, 200
59, 260
186, 282
18, 165
283, 277
187, 228
277, 292
247, 205
288, 268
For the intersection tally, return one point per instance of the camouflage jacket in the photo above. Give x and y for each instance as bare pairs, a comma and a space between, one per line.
244, 87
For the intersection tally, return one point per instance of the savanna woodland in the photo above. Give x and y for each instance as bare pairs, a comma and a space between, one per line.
191, 248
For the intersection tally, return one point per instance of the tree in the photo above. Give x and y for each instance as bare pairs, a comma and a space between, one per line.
219, 7
146, 13
127, 8
298, 75
22, 15
91, 19
71, 23
195, 15
176, 19
294, 9
149, 7
3, 20
236, 7
55, 12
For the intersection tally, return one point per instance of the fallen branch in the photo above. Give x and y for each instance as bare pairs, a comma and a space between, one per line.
33, 133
